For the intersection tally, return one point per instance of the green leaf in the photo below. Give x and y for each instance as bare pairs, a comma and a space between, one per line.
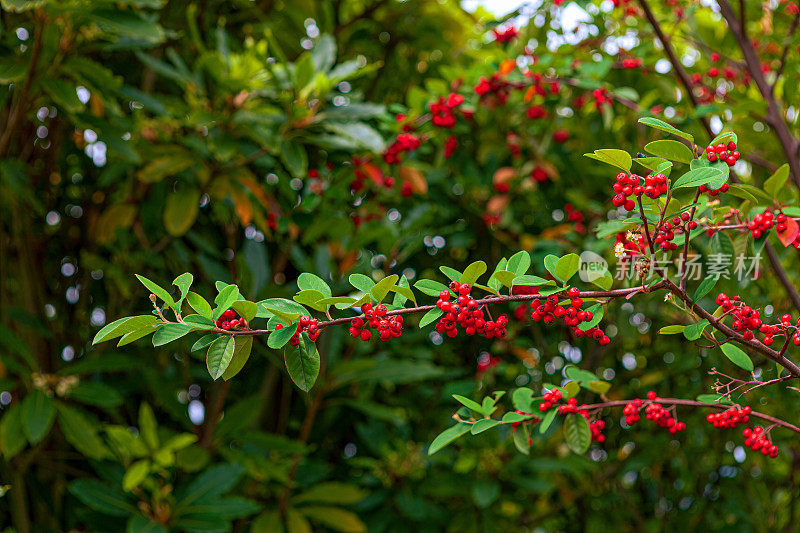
451, 273
724, 138
671, 330
361, 282
495, 283
170, 332
663, 126
577, 433
550, 262
334, 518
158, 291
547, 421
519, 263
693, 332
241, 353
181, 210
224, 300
38, 413
672, 150
430, 316
135, 474
737, 356
567, 266
618, 158
80, 432
286, 310
705, 286
597, 312
205, 340
522, 440
473, 272
101, 497
294, 158
12, 433
332, 492
505, 277
199, 304
448, 436
697, 177
580, 375
430, 287
381, 289
470, 404
278, 338
148, 427
302, 362
531, 281
713, 398
776, 182
199, 322
307, 281
523, 399
138, 334
483, 424
122, 326
404, 292
246, 310
219, 355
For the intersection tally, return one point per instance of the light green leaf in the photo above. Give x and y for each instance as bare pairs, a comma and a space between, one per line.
737, 356
158, 291
663, 126
447, 436
170, 332
672, 150
473, 272
199, 304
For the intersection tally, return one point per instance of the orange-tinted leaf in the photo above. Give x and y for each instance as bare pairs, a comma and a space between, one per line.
506, 67
418, 182
788, 235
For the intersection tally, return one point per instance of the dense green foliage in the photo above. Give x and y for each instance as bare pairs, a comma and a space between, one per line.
242, 142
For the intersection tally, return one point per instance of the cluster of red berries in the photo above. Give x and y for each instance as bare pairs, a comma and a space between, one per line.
714, 192
228, 321
730, 418
536, 112
761, 224
542, 85
575, 216
505, 35
785, 325
631, 184
466, 312
496, 86
757, 440
601, 98
405, 142
443, 110
654, 411
745, 318
549, 310
665, 233
306, 323
550, 399
721, 152
375, 318
450, 146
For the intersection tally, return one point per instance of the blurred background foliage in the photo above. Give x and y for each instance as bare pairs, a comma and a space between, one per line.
226, 139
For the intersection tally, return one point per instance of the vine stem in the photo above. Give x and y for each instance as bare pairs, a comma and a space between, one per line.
692, 403
666, 401
489, 300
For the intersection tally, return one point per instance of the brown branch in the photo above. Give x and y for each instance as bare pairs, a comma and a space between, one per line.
774, 116
693, 403
21, 107
673, 59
